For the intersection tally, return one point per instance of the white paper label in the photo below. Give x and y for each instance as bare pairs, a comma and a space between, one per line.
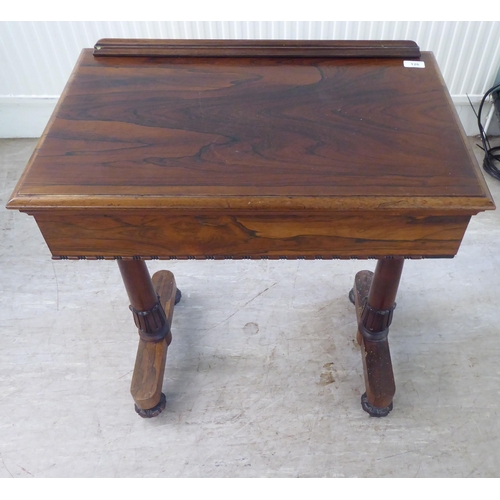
414, 64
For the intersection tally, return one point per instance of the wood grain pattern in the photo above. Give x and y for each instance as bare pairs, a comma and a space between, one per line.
330, 235
255, 48
169, 129
260, 157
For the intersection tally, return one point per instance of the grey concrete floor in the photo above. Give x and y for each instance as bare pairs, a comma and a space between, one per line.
263, 376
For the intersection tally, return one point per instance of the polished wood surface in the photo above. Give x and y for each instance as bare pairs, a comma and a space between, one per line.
237, 235
140, 289
245, 129
255, 48
260, 157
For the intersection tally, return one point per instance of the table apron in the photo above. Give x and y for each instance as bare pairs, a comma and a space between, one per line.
167, 235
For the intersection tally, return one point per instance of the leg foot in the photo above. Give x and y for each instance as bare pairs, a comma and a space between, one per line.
152, 412
374, 299
373, 410
178, 296
351, 296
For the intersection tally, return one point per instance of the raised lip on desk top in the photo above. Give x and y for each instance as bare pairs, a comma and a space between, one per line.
255, 48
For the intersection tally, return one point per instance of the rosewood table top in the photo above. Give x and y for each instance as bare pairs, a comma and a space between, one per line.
233, 135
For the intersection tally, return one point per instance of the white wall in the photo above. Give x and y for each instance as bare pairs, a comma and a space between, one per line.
36, 58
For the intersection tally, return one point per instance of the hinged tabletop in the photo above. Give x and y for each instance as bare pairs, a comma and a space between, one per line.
319, 131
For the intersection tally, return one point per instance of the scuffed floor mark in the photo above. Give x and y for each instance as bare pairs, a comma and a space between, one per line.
242, 307
326, 376
6, 468
251, 328
27, 471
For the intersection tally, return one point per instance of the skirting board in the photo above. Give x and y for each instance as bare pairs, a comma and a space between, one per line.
469, 119
27, 116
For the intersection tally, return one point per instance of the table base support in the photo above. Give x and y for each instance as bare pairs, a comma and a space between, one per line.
374, 298
147, 379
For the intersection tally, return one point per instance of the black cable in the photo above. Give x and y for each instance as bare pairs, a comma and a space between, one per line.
491, 155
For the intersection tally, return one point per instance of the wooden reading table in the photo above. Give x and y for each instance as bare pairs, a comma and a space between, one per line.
189, 149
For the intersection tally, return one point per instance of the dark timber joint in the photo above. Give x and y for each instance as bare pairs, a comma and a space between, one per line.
373, 336
152, 412
373, 410
152, 324
375, 320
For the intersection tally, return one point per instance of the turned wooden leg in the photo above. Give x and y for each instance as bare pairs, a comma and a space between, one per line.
374, 296
152, 305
